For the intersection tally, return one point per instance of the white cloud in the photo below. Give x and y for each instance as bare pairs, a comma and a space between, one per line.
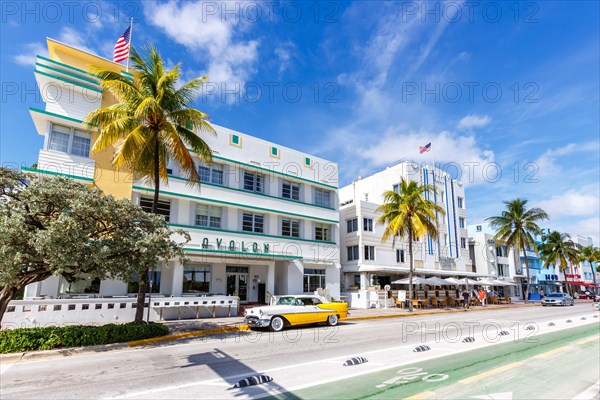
474, 121
211, 37
547, 162
76, 38
285, 53
31, 50
571, 203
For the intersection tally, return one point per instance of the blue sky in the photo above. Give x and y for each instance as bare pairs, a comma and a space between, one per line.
496, 88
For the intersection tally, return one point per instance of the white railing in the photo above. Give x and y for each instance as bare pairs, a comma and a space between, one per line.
53, 312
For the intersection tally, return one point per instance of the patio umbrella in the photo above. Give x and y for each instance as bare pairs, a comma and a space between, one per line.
502, 283
416, 281
435, 281
486, 282
454, 281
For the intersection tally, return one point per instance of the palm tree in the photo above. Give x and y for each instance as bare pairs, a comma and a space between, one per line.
516, 227
591, 255
559, 250
408, 215
150, 124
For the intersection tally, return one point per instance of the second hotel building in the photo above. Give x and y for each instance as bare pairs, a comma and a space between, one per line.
263, 220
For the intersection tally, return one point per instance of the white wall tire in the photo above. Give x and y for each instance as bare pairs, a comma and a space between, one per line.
332, 320
277, 324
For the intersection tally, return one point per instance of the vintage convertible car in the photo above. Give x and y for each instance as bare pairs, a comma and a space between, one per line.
296, 310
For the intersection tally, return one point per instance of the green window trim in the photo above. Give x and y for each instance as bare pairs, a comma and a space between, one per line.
235, 140
308, 162
246, 253
274, 151
37, 71
292, 177
37, 110
256, 193
46, 172
293, 239
66, 66
93, 82
238, 205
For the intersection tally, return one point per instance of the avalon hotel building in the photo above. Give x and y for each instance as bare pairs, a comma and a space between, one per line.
263, 221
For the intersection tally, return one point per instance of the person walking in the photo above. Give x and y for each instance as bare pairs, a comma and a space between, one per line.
465, 296
482, 297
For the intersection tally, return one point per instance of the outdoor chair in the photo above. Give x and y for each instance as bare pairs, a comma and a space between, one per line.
416, 303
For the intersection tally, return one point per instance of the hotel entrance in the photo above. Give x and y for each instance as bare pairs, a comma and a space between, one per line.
237, 282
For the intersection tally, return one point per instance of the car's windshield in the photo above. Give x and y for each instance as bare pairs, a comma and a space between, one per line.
555, 295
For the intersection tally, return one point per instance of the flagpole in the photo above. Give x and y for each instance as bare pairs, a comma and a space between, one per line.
130, 42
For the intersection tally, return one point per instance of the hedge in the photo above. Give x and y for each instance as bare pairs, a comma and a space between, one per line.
26, 339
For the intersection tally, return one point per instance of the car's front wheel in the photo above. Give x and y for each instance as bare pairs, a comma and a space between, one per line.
332, 320
276, 324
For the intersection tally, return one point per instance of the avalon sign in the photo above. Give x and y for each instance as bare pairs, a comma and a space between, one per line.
233, 246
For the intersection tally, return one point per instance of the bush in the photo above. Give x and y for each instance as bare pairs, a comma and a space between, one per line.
26, 339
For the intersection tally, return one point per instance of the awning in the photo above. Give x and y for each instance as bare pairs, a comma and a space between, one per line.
401, 270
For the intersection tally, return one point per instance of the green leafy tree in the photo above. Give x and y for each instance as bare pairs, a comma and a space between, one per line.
150, 124
559, 250
516, 227
60, 227
591, 255
409, 215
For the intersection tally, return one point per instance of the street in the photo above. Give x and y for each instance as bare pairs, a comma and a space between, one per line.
552, 358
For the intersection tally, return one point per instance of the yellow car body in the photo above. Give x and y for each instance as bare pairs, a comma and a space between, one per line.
296, 310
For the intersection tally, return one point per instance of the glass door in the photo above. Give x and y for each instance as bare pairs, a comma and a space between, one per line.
237, 285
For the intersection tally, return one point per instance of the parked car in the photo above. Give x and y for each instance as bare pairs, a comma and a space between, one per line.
296, 310
558, 299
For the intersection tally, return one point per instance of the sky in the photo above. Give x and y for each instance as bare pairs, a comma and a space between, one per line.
507, 93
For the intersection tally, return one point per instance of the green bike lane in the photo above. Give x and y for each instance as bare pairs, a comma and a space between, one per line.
555, 365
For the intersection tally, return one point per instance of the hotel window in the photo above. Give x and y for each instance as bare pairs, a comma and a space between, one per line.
503, 270
396, 188
196, 278
352, 225
370, 253
323, 232
70, 140
274, 152
478, 228
208, 216
235, 140
253, 182
81, 284
313, 279
461, 222
290, 227
153, 275
211, 174
253, 222
460, 202
322, 197
290, 190
164, 207
352, 253
501, 251
400, 256
463, 242
368, 224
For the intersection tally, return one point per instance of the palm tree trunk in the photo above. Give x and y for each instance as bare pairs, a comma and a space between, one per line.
410, 270
593, 278
141, 296
528, 278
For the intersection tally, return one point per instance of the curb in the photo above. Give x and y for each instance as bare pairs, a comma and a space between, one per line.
66, 352
188, 335
408, 314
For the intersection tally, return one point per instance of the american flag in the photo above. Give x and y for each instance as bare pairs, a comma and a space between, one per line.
122, 46
424, 149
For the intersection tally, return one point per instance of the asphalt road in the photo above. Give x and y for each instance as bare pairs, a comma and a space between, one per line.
533, 360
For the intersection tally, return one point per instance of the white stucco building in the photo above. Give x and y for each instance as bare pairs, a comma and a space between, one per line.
368, 262
263, 221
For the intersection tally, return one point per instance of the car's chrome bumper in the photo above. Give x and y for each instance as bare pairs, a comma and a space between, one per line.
256, 322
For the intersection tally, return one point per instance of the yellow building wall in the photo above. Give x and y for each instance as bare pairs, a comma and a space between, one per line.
113, 182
